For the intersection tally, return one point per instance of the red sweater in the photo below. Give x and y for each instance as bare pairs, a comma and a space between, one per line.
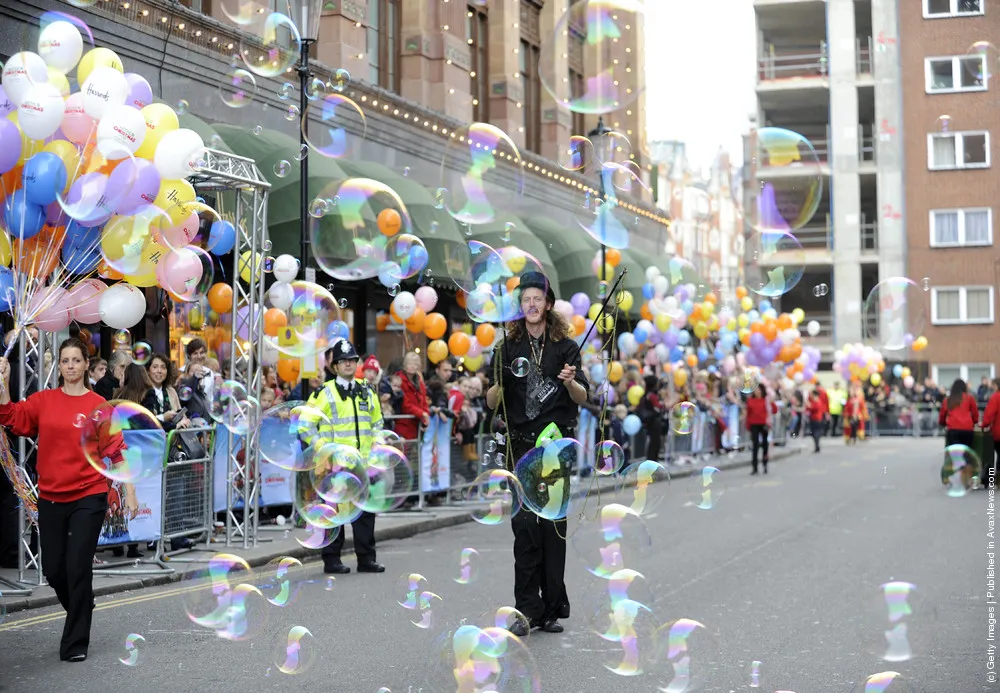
64, 474
757, 411
963, 417
991, 417
414, 404
817, 410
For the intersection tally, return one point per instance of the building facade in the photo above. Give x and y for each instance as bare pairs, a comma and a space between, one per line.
951, 126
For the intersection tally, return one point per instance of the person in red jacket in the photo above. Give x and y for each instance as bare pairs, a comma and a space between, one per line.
991, 423
416, 409
817, 412
959, 415
759, 411
73, 493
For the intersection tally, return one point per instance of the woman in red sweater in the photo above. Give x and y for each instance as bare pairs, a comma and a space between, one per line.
73, 495
991, 422
759, 411
959, 415
415, 406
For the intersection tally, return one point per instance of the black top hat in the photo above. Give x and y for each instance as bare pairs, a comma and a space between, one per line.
537, 280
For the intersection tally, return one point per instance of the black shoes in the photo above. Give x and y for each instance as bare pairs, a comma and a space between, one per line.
564, 610
81, 657
765, 470
753, 472
520, 629
552, 626
372, 567
336, 569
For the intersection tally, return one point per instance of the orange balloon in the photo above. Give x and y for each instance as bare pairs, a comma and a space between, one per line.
393, 315
460, 299
274, 320
389, 222
288, 370
785, 354
756, 327
437, 351
513, 283
415, 323
579, 325
692, 360
613, 257
39, 255
435, 325
106, 271
220, 298
9, 182
645, 312
485, 334
459, 343
770, 331
784, 321
741, 292
711, 298
382, 322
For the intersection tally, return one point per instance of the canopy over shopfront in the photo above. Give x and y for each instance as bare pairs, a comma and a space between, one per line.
572, 252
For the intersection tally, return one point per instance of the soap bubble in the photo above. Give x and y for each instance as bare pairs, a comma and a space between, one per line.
895, 313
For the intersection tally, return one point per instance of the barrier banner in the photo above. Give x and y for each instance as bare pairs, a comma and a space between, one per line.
587, 436
435, 456
145, 526
275, 487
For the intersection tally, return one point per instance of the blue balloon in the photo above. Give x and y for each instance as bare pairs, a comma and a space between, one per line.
44, 177
221, 238
684, 338
631, 424
389, 274
687, 306
676, 354
418, 259
764, 306
640, 334
6, 288
337, 329
720, 353
648, 291
23, 218
897, 370
702, 353
81, 251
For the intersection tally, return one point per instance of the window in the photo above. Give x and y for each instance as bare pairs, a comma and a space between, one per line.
958, 150
477, 33
952, 8
528, 54
954, 74
961, 227
577, 82
384, 28
962, 305
972, 374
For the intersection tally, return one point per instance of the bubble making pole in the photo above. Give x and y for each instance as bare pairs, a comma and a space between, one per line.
604, 305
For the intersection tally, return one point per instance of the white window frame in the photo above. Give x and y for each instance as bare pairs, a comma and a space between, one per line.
963, 370
954, 11
963, 308
959, 150
961, 211
956, 74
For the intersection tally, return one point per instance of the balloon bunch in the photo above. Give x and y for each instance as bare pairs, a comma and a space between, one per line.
93, 183
858, 363
901, 371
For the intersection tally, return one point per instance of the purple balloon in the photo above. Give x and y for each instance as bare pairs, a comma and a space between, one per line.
140, 94
88, 200
140, 182
670, 339
10, 146
6, 105
758, 341
580, 303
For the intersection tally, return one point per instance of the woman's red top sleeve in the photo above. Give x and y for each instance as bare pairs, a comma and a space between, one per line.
991, 417
757, 410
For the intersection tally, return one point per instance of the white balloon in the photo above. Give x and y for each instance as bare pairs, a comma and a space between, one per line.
281, 295
60, 45
41, 111
561, 306
670, 304
270, 355
122, 306
652, 273
120, 132
405, 304
104, 88
813, 328
177, 153
660, 285
21, 72
286, 268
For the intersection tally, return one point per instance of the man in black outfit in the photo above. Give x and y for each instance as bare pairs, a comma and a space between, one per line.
551, 392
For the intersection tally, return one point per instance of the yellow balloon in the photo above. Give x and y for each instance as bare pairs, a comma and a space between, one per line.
595, 309
635, 394
920, 343
707, 309
616, 372
875, 380
605, 324
437, 351
625, 300
516, 262
906, 371
662, 322
700, 331
67, 153
195, 319
173, 197
59, 81
5, 250
97, 57
680, 377
713, 323
160, 119
743, 320
145, 275
798, 315
473, 363
245, 265
609, 272
746, 303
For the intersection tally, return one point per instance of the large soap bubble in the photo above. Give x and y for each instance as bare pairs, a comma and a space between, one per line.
482, 174
895, 313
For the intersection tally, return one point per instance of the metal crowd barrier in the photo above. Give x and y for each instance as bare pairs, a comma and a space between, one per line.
913, 419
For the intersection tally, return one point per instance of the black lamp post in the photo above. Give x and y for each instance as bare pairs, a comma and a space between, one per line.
306, 15
602, 151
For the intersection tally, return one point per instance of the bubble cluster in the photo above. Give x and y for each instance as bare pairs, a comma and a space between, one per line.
222, 598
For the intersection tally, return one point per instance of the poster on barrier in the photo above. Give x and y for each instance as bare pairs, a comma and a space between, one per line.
274, 489
435, 456
145, 526
587, 435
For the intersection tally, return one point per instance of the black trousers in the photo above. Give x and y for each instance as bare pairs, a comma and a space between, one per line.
654, 436
9, 539
364, 541
539, 558
68, 534
834, 423
817, 428
758, 436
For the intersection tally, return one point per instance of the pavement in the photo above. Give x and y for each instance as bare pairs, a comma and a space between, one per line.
779, 577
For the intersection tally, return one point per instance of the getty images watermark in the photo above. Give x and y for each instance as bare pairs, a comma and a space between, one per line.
991, 591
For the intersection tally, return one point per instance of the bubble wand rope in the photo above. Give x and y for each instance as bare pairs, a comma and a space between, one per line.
14, 472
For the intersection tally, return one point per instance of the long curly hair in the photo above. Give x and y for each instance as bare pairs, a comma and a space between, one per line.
557, 326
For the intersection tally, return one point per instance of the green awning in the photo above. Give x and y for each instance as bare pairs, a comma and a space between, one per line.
572, 251
637, 263
269, 149
435, 227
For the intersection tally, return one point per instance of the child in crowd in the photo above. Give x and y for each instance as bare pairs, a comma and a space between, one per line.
618, 430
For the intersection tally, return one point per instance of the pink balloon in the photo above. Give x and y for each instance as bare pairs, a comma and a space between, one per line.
475, 349
48, 309
564, 307
77, 125
181, 235
84, 299
427, 298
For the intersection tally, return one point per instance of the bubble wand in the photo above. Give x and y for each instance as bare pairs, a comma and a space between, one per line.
604, 305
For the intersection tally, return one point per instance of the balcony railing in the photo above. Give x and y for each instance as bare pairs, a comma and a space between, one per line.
864, 52
867, 151
816, 236
787, 63
868, 234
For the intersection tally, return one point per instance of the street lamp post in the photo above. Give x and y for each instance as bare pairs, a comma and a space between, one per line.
307, 15
602, 152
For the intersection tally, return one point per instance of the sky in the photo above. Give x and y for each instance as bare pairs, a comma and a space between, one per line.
706, 93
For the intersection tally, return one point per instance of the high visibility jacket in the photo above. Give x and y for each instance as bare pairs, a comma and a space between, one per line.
350, 421
837, 399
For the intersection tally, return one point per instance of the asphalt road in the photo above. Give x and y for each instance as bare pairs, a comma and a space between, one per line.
784, 570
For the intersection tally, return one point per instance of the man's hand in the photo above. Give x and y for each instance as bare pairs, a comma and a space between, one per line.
567, 374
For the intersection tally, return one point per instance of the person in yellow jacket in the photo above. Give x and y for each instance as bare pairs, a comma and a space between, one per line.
353, 417
838, 398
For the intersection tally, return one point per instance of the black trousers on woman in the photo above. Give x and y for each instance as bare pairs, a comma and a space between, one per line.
69, 533
758, 435
539, 556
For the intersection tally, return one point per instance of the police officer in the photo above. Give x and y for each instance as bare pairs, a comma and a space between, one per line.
355, 415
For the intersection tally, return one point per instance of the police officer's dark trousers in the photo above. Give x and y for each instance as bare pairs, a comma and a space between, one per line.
363, 530
539, 558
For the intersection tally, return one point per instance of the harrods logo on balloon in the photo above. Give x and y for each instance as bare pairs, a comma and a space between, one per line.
103, 95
